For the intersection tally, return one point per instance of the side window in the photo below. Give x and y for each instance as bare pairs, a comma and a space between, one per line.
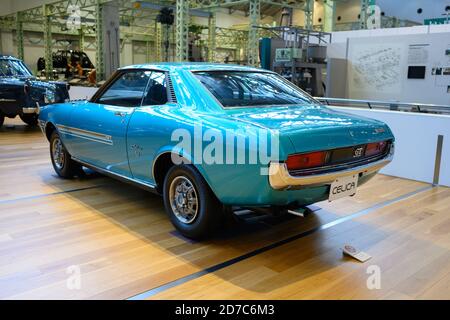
157, 90
127, 90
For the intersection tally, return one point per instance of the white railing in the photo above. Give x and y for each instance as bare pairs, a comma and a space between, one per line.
387, 105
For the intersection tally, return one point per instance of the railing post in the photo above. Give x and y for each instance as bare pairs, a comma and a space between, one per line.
437, 161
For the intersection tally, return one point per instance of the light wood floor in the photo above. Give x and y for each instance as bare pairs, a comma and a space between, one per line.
122, 242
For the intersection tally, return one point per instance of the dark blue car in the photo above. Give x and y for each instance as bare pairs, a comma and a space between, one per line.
22, 95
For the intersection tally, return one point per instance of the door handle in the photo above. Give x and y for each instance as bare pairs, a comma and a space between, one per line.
120, 114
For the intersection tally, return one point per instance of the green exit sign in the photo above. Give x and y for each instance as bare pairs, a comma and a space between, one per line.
436, 21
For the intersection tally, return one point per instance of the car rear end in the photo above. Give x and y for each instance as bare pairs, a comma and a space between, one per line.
333, 151
324, 153
343, 169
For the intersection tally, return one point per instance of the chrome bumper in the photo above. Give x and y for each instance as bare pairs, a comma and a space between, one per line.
30, 110
280, 179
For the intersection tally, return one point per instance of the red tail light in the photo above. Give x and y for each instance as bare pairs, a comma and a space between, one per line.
306, 160
375, 148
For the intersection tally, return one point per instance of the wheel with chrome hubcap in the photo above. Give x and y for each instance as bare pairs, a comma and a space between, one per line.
62, 162
183, 199
57, 153
192, 207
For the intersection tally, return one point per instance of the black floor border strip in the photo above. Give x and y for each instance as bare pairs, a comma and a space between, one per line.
48, 194
222, 265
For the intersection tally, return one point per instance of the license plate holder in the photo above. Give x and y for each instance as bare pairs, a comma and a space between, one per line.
343, 187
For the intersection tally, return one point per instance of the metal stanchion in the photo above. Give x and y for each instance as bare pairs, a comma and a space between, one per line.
437, 162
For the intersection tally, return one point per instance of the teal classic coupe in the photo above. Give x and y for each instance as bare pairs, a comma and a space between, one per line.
212, 136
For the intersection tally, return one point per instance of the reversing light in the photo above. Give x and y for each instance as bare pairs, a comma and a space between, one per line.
375, 148
306, 160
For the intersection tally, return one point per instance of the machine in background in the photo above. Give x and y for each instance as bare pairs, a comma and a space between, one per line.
299, 55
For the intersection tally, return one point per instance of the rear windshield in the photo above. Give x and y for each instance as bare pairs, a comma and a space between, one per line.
242, 88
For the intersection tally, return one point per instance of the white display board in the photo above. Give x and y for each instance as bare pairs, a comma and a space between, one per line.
408, 68
375, 67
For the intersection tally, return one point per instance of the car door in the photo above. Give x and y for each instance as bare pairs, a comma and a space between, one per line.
150, 127
98, 128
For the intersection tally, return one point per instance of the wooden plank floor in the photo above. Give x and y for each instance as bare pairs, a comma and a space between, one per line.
122, 242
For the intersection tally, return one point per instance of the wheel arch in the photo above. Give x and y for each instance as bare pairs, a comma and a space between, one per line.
49, 128
163, 162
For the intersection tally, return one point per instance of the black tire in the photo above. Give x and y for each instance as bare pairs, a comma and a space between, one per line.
30, 119
209, 210
2, 119
65, 167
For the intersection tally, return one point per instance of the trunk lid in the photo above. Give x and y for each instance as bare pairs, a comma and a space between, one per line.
313, 127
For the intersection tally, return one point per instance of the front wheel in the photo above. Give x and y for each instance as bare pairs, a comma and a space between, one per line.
62, 162
30, 119
191, 205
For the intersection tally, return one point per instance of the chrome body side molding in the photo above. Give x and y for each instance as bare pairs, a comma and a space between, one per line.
85, 134
139, 183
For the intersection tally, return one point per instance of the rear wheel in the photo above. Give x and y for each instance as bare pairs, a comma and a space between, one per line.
62, 162
191, 205
30, 119
2, 119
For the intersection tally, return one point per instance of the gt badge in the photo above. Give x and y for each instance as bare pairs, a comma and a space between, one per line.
358, 152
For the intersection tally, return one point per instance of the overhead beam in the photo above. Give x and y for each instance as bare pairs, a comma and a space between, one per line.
158, 7
217, 3
294, 4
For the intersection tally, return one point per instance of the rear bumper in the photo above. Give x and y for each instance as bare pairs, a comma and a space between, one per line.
280, 179
31, 110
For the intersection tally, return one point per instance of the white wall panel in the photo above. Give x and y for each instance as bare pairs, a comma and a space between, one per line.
415, 146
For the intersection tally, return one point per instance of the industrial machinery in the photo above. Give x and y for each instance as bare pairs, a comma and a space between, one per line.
298, 55
68, 64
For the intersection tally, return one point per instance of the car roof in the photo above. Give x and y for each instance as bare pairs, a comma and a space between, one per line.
192, 66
